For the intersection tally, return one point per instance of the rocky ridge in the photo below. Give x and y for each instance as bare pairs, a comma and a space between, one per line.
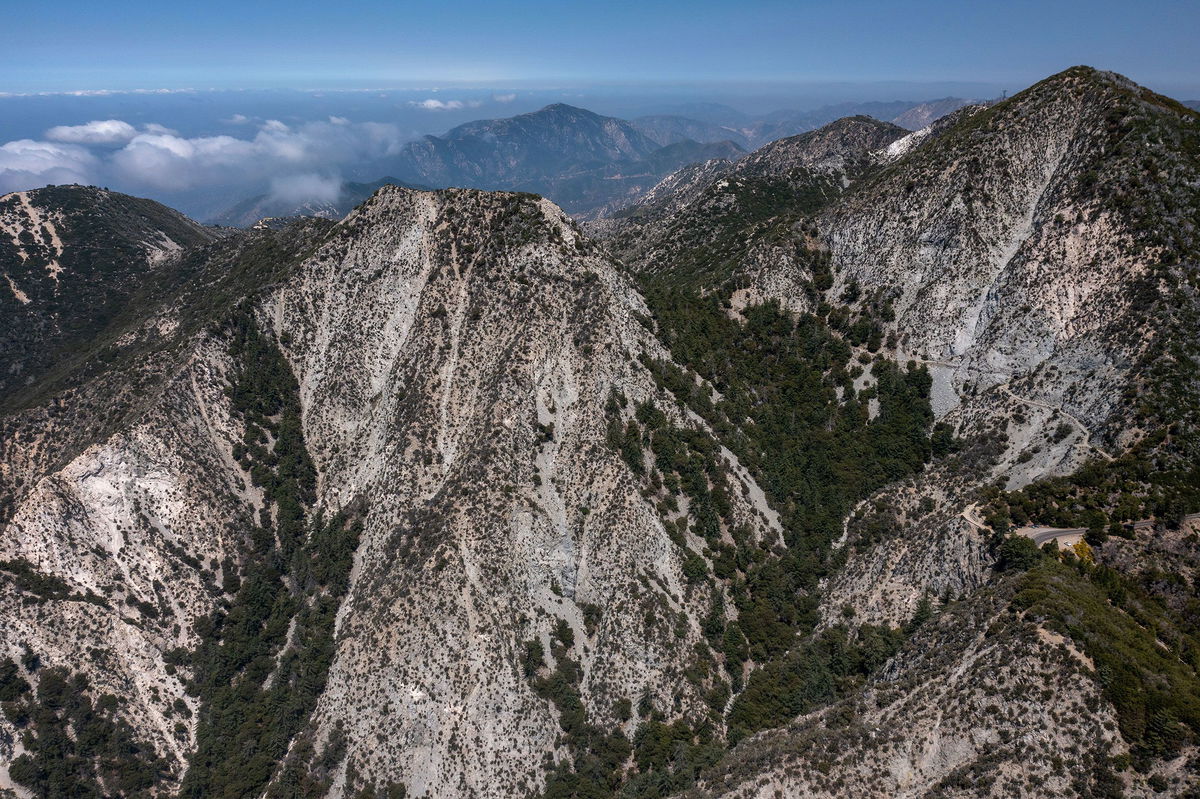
61, 246
507, 553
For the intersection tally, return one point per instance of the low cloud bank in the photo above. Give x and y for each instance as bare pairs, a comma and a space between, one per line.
106, 131
154, 159
433, 104
26, 163
305, 188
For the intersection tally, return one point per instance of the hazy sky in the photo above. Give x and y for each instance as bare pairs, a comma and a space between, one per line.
262, 96
83, 44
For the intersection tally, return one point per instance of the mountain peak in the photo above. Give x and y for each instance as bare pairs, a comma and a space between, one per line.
558, 108
1099, 88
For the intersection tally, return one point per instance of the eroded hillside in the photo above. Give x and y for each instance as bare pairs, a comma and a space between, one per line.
449, 499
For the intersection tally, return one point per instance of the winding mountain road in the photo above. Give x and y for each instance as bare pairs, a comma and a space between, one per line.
1041, 535
1079, 425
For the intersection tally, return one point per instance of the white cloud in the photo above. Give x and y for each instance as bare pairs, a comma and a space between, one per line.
97, 92
167, 162
504, 98
304, 188
172, 163
444, 105
154, 127
156, 161
27, 164
99, 131
437, 105
237, 119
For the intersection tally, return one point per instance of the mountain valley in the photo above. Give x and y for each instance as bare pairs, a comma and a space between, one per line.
710, 477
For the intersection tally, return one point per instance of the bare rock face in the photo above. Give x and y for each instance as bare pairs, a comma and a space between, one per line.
1022, 282
720, 221
1003, 248
460, 357
459, 383
341, 508
111, 558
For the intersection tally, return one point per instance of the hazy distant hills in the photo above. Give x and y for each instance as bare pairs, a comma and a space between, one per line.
923, 115
584, 161
912, 116
669, 129
580, 159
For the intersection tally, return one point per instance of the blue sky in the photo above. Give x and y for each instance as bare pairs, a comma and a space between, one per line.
121, 44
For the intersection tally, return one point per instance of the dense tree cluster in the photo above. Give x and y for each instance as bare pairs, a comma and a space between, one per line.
75, 743
258, 685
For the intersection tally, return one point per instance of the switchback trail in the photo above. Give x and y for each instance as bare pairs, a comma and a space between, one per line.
1006, 389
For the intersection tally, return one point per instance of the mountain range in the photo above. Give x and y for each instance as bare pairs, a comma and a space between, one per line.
861, 464
587, 163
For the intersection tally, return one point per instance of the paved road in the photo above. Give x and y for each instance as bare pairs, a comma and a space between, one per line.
1041, 535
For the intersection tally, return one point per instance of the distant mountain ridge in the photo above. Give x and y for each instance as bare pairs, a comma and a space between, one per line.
668, 129
588, 163
906, 114
580, 159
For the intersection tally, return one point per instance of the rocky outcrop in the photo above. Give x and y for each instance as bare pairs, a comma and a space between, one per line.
109, 561
714, 221
421, 456
496, 511
1020, 282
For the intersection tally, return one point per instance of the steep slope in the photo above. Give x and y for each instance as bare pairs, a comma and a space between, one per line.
123, 512
1038, 256
501, 522
73, 259
985, 700
438, 500
1020, 252
713, 223
520, 581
